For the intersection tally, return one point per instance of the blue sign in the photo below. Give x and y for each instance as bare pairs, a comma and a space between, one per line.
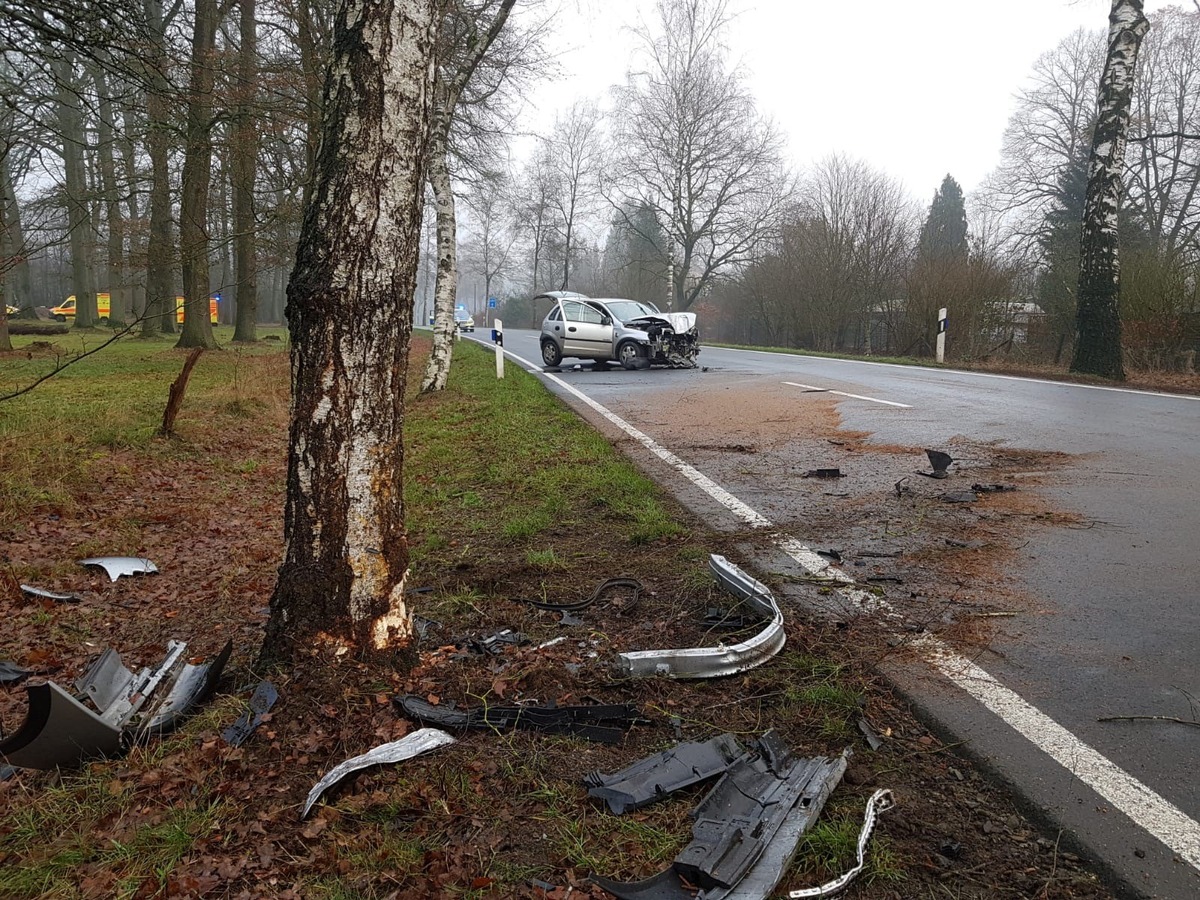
491, 302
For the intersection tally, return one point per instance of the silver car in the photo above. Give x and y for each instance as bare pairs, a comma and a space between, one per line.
630, 332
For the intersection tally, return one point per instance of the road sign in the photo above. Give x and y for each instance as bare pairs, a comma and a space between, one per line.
491, 302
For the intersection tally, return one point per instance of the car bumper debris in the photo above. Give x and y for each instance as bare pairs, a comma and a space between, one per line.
60, 731
745, 830
263, 699
656, 776
881, 801
724, 659
42, 594
421, 741
116, 566
605, 724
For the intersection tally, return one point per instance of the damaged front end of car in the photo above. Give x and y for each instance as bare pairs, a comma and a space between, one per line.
670, 339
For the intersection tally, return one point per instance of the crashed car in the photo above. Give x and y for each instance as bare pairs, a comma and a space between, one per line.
630, 332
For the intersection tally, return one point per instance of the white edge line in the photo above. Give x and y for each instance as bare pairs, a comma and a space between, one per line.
809, 387
1145, 807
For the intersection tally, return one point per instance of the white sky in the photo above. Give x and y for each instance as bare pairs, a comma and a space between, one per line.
918, 89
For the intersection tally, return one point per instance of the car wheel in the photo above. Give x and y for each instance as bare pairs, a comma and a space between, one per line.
551, 355
632, 355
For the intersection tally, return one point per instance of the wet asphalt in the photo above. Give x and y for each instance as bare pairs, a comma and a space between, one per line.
1122, 586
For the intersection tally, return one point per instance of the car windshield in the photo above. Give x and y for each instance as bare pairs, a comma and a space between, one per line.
624, 310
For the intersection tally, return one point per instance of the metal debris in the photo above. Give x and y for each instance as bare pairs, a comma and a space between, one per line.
656, 776
263, 699
868, 732
60, 731
116, 566
824, 473
881, 801
42, 593
746, 828
605, 724
724, 659
11, 673
421, 741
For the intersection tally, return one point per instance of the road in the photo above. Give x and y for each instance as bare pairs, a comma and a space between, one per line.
1123, 639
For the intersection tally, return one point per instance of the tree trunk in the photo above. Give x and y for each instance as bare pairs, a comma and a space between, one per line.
197, 177
350, 318
437, 370
1098, 314
112, 203
160, 298
244, 150
79, 220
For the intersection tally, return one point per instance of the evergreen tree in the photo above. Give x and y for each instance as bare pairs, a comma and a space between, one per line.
944, 234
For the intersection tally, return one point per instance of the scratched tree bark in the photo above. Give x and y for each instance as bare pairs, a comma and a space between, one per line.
349, 312
1098, 314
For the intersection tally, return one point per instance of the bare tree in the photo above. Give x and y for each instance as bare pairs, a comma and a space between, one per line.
349, 311
492, 240
692, 147
244, 153
468, 33
1098, 344
575, 152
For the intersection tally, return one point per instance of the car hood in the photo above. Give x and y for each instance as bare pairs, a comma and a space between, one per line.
681, 323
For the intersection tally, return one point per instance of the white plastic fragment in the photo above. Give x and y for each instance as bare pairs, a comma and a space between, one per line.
421, 741
116, 566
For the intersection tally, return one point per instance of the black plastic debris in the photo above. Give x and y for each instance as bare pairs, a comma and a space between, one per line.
11, 673
993, 488
490, 645
263, 699
656, 776
902, 487
603, 588
59, 730
873, 740
423, 626
7, 772
940, 462
569, 619
824, 473
42, 594
735, 827
605, 724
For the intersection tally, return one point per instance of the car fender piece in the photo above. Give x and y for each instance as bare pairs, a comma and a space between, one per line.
657, 776
421, 741
724, 659
58, 731
116, 566
44, 594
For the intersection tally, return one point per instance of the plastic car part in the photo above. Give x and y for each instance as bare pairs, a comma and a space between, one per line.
601, 589
58, 731
44, 594
116, 566
881, 801
940, 461
724, 659
603, 724
421, 741
11, 673
656, 776
745, 830
261, 702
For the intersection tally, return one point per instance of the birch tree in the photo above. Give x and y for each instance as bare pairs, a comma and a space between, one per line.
468, 33
350, 317
1098, 318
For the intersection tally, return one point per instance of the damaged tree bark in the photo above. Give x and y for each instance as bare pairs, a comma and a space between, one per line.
350, 316
1098, 315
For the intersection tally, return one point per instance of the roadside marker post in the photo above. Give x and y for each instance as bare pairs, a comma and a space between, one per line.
941, 338
498, 339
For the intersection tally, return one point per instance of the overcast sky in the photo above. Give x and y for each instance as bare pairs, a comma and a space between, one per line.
919, 88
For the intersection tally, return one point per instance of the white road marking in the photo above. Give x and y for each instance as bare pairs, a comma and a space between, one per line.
1152, 812
809, 387
973, 374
